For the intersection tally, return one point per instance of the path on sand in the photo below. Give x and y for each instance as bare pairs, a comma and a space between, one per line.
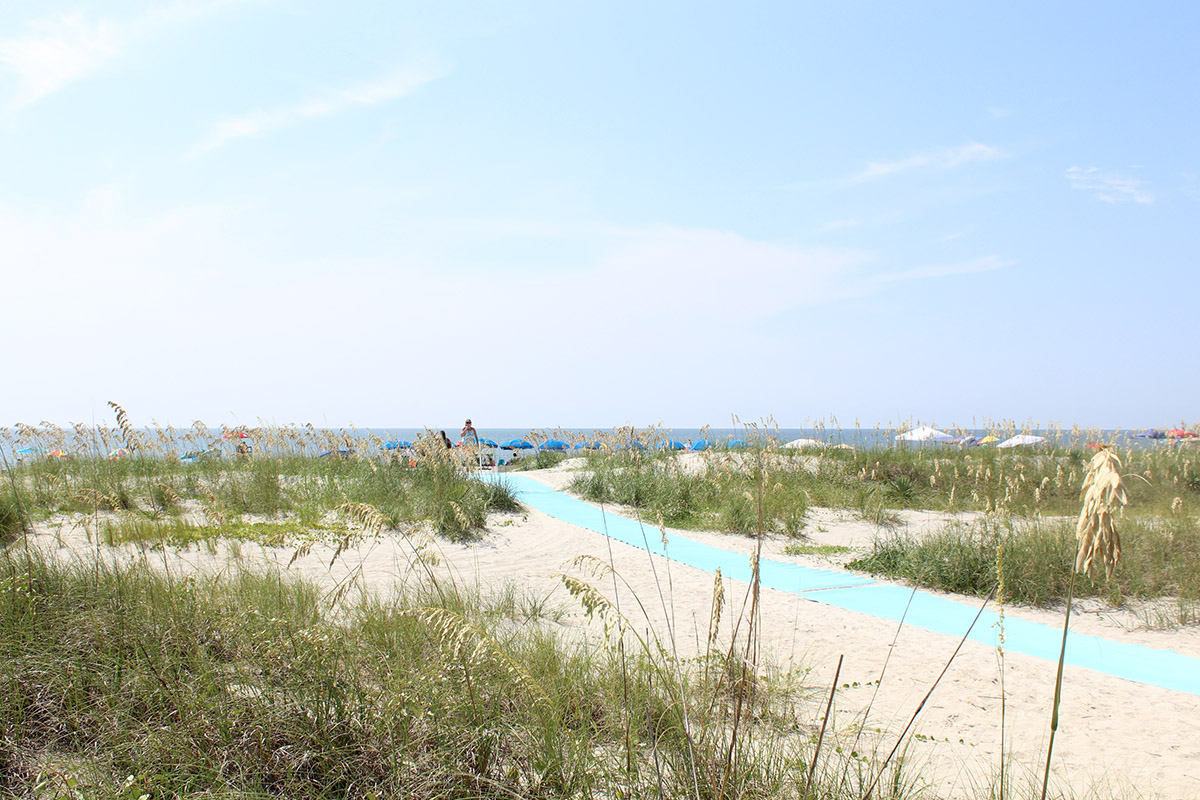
1164, 668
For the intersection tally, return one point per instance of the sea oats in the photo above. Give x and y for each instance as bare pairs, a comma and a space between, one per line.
1103, 493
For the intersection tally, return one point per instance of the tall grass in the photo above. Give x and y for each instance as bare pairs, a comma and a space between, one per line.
242, 685
1161, 557
721, 496
282, 477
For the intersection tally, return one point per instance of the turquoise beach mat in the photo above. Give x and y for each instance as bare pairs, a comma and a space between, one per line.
932, 612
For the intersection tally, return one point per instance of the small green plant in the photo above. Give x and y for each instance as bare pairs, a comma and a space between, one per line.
13, 517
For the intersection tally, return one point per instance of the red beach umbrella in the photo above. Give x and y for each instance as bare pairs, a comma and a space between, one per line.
1180, 433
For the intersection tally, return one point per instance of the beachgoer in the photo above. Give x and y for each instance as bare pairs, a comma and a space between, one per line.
446, 440
469, 432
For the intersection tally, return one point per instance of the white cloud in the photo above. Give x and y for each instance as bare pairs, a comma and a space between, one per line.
1108, 186
64, 49
59, 52
196, 291
256, 123
976, 265
838, 225
943, 159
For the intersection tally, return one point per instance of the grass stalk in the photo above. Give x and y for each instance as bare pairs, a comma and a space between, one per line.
925, 699
824, 723
1058, 682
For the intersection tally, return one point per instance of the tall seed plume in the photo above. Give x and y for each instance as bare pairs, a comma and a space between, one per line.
1103, 492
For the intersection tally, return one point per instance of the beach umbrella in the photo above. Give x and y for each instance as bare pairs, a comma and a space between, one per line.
402, 444
59, 454
703, 444
1150, 433
1021, 440
586, 445
803, 443
339, 453
735, 444
235, 435
29, 451
925, 434
989, 439
120, 451
1180, 433
671, 444
517, 444
555, 444
487, 442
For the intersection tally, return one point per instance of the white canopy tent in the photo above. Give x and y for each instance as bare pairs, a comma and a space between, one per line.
925, 434
1022, 439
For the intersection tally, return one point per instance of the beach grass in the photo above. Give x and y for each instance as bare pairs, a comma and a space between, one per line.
121, 679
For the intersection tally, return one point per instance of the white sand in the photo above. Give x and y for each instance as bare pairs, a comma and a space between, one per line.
1115, 735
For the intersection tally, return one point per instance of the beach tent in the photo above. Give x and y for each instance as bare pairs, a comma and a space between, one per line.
1150, 433
555, 444
1022, 439
803, 443
1180, 433
517, 444
925, 434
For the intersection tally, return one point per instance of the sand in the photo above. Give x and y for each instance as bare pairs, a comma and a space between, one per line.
1116, 737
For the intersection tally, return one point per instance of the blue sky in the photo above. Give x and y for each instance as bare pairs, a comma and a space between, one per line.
578, 214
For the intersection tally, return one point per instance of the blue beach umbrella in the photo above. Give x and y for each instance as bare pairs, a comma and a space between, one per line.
30, 451
555, 444
703, 444
402, 444
736, 444
517, 444
671, 444
488, 442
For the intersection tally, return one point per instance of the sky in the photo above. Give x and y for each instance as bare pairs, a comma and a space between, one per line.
599, 213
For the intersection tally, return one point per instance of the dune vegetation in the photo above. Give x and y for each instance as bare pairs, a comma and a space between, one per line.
124, 679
